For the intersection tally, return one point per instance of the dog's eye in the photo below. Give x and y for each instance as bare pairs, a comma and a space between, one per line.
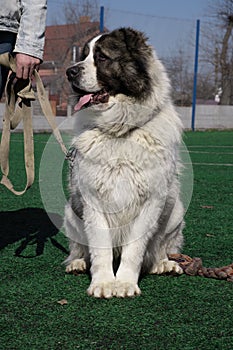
101, 57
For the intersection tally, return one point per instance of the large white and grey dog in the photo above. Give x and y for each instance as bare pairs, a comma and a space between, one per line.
124, 215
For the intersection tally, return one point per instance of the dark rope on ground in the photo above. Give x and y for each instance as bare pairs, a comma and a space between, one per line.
194, 267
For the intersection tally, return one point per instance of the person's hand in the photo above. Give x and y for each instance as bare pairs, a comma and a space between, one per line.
25, 65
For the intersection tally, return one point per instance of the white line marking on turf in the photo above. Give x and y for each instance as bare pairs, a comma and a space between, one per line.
212, 164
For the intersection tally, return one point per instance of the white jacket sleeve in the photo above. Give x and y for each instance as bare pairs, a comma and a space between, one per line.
31, 32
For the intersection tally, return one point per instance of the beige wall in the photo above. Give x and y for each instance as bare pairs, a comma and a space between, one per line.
207, 117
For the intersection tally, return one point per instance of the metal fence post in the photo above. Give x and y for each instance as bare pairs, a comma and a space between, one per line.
195, 75
101, 19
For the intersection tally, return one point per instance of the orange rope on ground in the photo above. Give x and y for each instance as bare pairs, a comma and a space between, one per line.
194, 267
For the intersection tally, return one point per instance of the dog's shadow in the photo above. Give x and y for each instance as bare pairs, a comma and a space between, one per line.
30, 226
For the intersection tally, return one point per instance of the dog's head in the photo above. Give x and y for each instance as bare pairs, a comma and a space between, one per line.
112, 64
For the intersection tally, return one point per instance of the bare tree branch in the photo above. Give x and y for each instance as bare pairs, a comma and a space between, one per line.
218, 46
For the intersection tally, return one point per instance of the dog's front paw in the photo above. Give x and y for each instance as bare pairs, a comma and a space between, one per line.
126, 289
165, 266
104, 289
76, 265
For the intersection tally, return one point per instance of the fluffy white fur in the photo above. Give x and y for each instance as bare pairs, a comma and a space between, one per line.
125, 214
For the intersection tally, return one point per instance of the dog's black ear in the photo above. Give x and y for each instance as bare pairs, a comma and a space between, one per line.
137, 79
133, 39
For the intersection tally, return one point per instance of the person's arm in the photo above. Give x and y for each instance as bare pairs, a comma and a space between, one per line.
29, 47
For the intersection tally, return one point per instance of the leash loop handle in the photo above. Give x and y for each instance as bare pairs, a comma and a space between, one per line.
17, 108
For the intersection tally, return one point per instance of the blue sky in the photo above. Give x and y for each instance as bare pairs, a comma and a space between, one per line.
169, 24
188, 9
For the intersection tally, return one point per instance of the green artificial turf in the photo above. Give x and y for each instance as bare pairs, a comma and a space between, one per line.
188, 313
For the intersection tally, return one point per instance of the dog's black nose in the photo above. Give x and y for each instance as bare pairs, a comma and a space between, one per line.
73, 72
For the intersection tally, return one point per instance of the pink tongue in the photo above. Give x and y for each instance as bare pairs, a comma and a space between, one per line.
82, 101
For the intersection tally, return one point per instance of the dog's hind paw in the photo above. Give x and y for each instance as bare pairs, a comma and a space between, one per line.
77, 265
165, 266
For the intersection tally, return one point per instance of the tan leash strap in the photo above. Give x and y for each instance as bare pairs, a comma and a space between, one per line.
18, 107
13, 116
7, 60
28, 156
47, 110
